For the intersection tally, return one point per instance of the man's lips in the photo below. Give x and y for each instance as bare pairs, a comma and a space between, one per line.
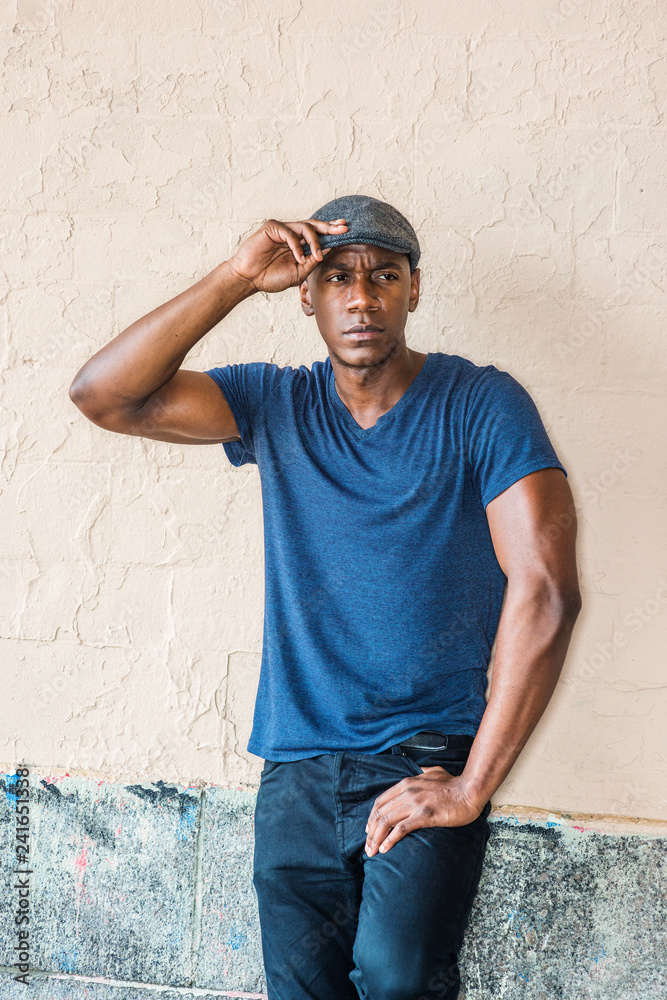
363, 332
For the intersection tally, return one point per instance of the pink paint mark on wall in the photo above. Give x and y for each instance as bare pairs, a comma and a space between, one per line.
80, 864
81, 859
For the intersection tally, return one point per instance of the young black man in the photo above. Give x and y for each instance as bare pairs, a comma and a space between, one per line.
405, 495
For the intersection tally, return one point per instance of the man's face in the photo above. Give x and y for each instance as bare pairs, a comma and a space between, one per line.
360, 285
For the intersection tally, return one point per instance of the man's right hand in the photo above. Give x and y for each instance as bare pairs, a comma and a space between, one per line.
272, 259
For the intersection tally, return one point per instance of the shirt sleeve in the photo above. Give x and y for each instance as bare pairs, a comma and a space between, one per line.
245, 387
505, 436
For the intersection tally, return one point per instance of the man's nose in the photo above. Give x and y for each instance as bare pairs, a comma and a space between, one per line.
362, 294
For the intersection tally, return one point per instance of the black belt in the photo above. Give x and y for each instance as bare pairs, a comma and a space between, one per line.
430, 740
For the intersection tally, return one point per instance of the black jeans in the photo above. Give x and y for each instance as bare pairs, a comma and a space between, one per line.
338, 925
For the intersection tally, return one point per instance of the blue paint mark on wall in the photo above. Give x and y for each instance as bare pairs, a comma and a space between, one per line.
66, 961
176, 936
187, 819
525, 926
237, 939
9, 782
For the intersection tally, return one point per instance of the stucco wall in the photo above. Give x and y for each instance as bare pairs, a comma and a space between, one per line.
524, 140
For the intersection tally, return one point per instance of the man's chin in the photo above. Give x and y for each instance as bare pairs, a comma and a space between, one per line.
363, 353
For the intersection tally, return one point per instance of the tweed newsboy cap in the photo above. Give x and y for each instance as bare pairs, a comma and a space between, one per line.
368, 221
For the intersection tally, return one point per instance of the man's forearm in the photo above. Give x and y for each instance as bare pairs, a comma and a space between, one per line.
532, 640
148, 353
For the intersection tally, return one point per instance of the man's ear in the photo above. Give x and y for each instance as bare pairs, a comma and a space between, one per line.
306, 304
414, 289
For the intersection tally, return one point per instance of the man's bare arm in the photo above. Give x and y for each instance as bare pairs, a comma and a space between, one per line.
133, 385
533, 527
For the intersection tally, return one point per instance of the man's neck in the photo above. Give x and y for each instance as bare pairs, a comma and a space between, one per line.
369, 392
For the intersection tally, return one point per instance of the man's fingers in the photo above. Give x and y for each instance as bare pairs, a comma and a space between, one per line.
309, 228
322, 225
307, 233
334, 226
392, 825
383, 817
293, 233
280, 233
398, 832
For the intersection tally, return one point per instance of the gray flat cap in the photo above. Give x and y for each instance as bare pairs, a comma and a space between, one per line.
369, 221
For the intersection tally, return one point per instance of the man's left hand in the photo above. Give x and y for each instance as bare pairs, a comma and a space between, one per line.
434, 798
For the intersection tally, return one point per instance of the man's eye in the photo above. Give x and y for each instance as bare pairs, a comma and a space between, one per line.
383, 274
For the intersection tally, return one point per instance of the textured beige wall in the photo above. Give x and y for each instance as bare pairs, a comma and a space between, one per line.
525, 140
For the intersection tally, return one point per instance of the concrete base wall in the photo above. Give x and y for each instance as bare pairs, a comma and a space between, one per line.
147, 889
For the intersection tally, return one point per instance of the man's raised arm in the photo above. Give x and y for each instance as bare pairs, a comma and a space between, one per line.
133, 385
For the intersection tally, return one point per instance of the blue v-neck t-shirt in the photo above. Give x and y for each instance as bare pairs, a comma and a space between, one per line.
382, 588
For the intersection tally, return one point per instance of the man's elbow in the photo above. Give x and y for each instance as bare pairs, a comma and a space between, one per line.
89, 399
75, 393
570, 604
79, 390
563, 601
557, 599
84, 405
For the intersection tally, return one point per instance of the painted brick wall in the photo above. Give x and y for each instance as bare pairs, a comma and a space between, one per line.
525, 140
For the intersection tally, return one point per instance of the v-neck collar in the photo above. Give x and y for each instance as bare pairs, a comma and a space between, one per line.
340, 406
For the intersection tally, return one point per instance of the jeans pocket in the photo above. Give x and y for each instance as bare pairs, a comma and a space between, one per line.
452, 759
269, 765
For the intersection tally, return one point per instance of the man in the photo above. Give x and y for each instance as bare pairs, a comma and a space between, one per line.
404, 495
